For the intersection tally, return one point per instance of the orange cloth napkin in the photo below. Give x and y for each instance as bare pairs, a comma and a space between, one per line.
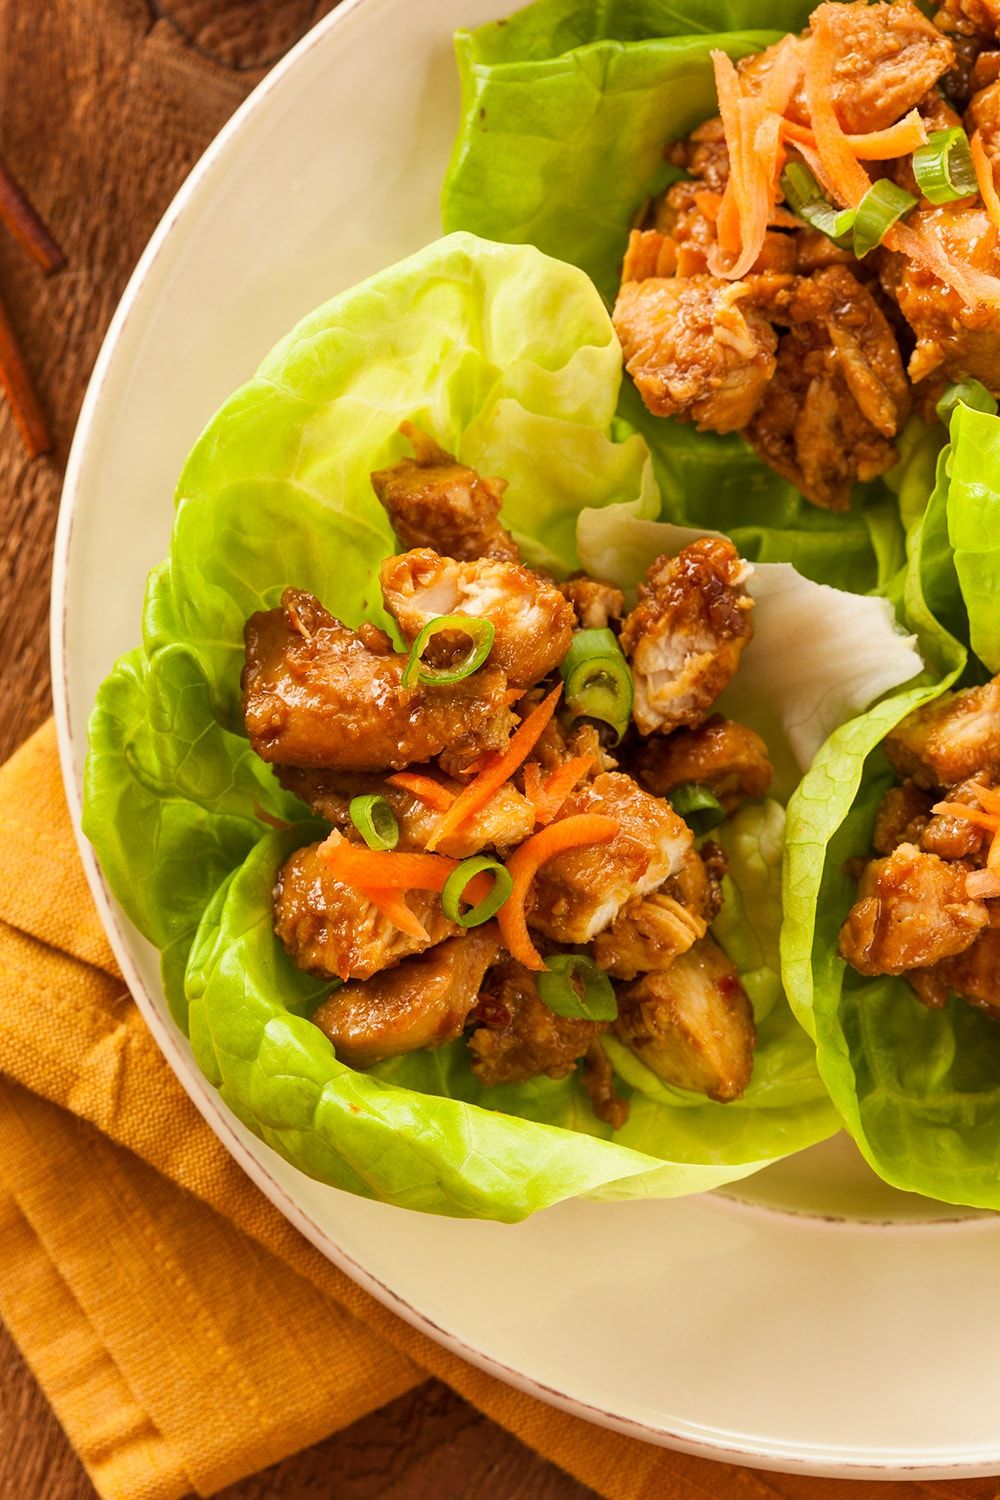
183, 1331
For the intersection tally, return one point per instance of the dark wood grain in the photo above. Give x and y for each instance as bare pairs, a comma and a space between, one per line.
104, 107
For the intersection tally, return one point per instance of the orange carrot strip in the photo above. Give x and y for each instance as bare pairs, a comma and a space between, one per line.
524, 864
985, 178
814, 162
534, 789
784, 75
848, 178
727, 87
493, 776
974, 815
561, 782
424, 788
923, 246
385, 869
900, 139
392, 904
982, 885
989, 797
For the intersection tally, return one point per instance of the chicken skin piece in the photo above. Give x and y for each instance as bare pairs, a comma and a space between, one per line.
318, 694
647, 934
686, 635
839, 393
332, 929
955, 738
596, 604
506, 820
692, 1024
579, 893
422, 1003
912, 911
519, 1037
434, 501
533, 622
902, 816
698, 348
973, 975
727, 758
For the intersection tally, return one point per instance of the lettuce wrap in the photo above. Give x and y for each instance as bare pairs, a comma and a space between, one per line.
566, 107
510, 360
917, 1088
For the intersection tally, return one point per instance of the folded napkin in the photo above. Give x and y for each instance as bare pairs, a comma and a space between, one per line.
184, 1333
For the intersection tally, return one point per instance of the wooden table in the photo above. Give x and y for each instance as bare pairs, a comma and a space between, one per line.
104, 107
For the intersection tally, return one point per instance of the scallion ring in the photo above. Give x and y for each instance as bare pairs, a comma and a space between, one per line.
698, 806
966, 393
598, 680
375, 821
805, 199
943, 166
455, 886
480, 633
572, 985
883, 205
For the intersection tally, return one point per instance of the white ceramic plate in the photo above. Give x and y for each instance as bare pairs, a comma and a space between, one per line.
814, 1319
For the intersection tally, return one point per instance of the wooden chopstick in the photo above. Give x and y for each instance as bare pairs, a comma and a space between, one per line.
21, 393
24, 223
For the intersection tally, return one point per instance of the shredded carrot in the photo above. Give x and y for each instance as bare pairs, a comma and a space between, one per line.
392, 904
847, 177
708, 204
524, 864
983, 884
492, 777
972, 815
901, 139
534, 789
551, 793
923, 246
784, 75
814, 162
424, 788
985, 177
727, 87
385, 869
752, 125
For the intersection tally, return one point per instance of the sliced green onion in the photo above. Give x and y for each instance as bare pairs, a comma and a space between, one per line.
480, 633
598, 680
881, 207
572, 985
698, 806
805, 199
454, 889
375, 821
966, 393
943, 166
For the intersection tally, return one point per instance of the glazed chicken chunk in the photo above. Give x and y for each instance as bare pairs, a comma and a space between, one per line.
685, 637
902, 816
504, 821
974, 974
839, 393
423, 1002
519, 1037
647, 934
318, 694
692, 1024
727, 758
579, 893
533, 622
953, 739
596, 604
912, 911
434, 501
332, 929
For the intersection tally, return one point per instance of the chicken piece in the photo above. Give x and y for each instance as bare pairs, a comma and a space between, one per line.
686, 220
519, 1037
697, 885
979, 19
599, 1082
985, 70
686, 635
912, 911
839, 394
506, 820
902, 816
332, 929
953, 340
699, 348
974, 975
318, 694
816, 252
703, 154
422, 1003
647, 934
953, 837
728, 758
955, 738
434, 501
558, 745
533, 622
887, 57
580, 892
596, 604
692, 1024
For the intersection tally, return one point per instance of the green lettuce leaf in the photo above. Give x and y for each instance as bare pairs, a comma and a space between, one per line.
509, 359
974, 526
